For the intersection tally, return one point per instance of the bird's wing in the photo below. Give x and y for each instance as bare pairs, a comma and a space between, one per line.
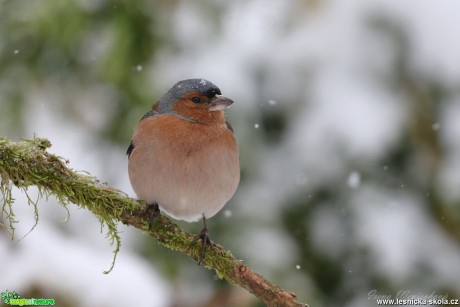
146, 115
150, 113
229, 126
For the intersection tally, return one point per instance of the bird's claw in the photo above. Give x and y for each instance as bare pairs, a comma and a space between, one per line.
205, 241
152, 213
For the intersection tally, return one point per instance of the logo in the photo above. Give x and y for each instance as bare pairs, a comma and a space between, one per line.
406, 297
14, 299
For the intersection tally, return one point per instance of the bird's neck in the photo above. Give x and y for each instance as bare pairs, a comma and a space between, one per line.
206, 117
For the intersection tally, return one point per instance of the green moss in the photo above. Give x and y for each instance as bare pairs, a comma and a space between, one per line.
26, 163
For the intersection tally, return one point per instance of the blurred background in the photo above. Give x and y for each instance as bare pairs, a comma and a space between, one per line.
348, 118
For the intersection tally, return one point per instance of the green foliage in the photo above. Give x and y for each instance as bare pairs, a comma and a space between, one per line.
75, 45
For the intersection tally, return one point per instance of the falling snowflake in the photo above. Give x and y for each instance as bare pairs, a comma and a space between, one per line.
354, 180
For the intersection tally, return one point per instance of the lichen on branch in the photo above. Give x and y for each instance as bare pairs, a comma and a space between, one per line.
26, 163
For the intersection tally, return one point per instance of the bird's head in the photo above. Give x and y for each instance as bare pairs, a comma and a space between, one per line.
196, 99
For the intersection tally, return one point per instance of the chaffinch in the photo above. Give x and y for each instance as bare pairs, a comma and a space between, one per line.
183, 156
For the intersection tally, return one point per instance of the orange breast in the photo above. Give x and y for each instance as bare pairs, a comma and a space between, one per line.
189, 169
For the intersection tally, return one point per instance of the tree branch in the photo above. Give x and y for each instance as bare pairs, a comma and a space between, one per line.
27, 163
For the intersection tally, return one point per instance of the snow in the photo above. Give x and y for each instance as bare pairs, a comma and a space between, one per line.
354, 180
228, 213
80, 269
327, 67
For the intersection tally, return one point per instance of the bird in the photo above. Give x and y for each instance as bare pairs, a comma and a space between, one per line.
183, 158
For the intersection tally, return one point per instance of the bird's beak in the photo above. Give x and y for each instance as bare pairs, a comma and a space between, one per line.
219, 102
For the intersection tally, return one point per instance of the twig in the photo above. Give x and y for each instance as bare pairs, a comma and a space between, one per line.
27, 163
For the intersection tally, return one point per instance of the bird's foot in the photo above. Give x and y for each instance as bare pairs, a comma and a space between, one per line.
152, 213
205, 241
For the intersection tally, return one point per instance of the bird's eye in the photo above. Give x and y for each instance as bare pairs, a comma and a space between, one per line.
196, 99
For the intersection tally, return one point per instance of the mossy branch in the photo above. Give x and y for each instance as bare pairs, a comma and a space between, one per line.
26, 163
